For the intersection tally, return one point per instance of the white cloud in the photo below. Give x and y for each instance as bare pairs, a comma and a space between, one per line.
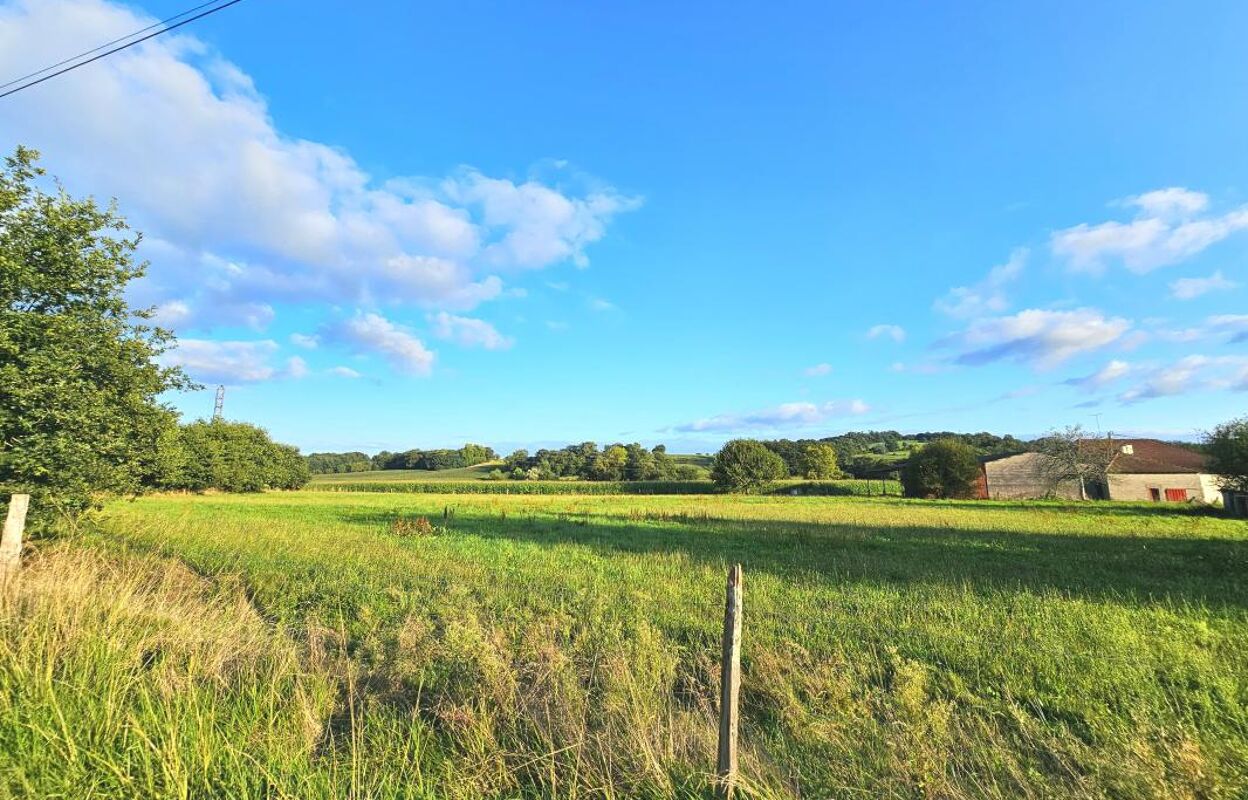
598, 304
538, 226
1112, 371
786, 415
1167, 229
171, 314
372, 333
1191, 288
894, 332
1233, 325
296, 367
240, 216
343, 372
1233, 328
556, 326
469, 332
1192, 373
817, 370
1173, 203
305, 341
988, 296
1036, 336
229, 362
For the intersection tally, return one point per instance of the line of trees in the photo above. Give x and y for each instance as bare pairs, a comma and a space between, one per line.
584, 461
354, 461
860, 453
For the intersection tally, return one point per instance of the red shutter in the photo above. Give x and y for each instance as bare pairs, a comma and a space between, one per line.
1176, 495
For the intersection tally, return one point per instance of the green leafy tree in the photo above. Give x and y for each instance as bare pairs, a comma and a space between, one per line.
746, 465
819, 462
79, 414
1227, 446
610, 464
230, 457
944, 468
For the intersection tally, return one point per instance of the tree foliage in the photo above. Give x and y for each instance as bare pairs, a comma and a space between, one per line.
746, 465
945, 468
229, 456
1227, 446
584, 461
79, 413
337, 463
819, 462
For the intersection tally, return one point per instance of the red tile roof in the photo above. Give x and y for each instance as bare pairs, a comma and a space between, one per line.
1149, 456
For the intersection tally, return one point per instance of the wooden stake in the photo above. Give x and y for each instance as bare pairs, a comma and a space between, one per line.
11, 540
730, 687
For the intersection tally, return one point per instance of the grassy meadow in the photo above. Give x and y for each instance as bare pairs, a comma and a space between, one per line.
307, 645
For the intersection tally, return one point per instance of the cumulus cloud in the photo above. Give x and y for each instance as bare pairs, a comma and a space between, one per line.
231, 362
305, 341
1191, 288
817, 370
894, 332
241, 216
343, 372
469, 332
1169, 227
1112, 371
536, 225
371, 333
988, 296
786, 415
1038, 337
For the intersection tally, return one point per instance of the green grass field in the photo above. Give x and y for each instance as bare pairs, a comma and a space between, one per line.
293, 645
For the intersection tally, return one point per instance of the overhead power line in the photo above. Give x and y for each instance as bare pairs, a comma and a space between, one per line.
163, 25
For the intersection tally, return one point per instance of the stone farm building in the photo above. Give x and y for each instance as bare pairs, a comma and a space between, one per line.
1142, 469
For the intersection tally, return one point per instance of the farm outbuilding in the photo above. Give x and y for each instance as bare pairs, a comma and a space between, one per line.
1142, 469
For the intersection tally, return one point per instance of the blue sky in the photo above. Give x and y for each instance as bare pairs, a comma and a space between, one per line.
414, 225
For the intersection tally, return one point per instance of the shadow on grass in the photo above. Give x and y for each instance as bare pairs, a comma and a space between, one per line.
1211, 571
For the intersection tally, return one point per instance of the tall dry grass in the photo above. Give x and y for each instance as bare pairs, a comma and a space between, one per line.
128, 675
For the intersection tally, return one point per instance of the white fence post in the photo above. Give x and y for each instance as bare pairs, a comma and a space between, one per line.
11, 541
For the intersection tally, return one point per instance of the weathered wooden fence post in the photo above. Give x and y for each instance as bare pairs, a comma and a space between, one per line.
730, 687
11, 540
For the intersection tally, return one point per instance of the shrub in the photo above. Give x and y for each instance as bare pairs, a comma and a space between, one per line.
419, 526
745, 465
946, 468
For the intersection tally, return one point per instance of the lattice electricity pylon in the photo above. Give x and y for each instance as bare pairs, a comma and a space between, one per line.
218, 408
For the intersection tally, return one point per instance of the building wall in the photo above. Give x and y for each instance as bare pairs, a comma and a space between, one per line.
1021, 477
1213, 491
1136, 487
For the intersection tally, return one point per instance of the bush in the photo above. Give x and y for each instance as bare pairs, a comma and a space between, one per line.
745, 465
944, 469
